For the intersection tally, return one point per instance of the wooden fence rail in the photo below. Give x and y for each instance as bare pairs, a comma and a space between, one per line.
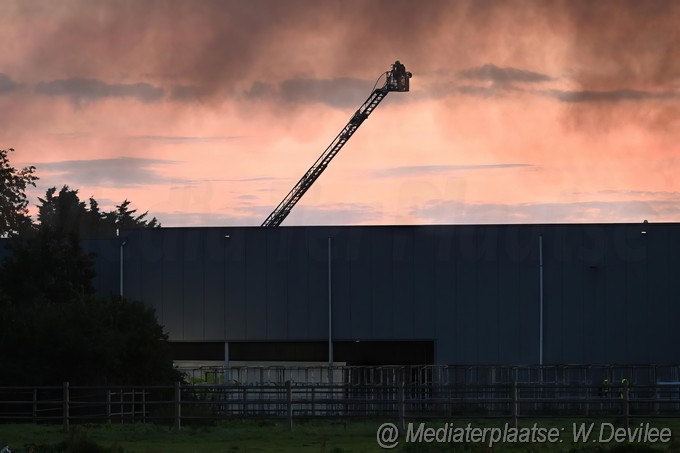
194, 403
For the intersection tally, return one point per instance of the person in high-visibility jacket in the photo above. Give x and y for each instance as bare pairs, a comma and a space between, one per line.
624, 384
604, 389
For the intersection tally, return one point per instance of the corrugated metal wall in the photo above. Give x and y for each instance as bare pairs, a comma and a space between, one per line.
611, 293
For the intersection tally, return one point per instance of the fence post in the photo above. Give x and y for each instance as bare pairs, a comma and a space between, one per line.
289, 404
656, 399
515, 404
450, 400
245, 402
313, 397
143, 405
626, 405
178, 407
402, 405
132, 404
35, 405
66, 407
108, 406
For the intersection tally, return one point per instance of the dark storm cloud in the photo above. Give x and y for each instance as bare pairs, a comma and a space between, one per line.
624, 42
117, 172
219, 48
482, 91
609, 96
341, 92
209, 49
502, 81
625, 49
79, 90
433, 169
235, 36
495, 74
186, 93
7, 84
568, 96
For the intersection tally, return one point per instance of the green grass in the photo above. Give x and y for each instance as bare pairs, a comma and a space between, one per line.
267, 436
236, 436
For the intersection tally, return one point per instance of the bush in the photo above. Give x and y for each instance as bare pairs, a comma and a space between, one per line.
84, 342
76, 443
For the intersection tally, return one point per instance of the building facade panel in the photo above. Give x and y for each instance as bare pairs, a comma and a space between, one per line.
611, 292
463, 309
488, 294
614, 275
424, 272
573, 308
297, 287
106, 265
508, 302
317, 283
381, 285
659, 284
256, 290
193, 284
445, 286
360, 302
340, 286
403, 283
214, 274
276, 283
553, 291
171, 301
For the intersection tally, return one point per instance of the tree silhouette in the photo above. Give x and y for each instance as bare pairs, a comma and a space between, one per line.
66, 213
13, 201
125, 218
47, 267
54, 327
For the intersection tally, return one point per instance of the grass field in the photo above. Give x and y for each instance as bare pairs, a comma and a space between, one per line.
307, 437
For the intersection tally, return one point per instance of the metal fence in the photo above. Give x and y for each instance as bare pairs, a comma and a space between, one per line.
397, 400
435, 374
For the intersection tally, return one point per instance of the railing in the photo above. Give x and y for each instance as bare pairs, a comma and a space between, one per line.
436, 374
399, 401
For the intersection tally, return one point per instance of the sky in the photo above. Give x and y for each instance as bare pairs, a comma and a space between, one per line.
206, 113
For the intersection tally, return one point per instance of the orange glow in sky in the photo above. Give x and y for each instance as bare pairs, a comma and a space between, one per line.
207, 113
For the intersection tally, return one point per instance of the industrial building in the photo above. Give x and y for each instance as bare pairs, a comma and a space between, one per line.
400, 295
444, 294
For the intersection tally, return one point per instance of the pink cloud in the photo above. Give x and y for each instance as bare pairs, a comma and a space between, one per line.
243, 96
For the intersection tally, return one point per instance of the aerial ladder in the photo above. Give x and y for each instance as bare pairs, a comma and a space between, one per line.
396, 79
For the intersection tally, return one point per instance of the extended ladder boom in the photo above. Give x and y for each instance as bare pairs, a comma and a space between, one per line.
397, 80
